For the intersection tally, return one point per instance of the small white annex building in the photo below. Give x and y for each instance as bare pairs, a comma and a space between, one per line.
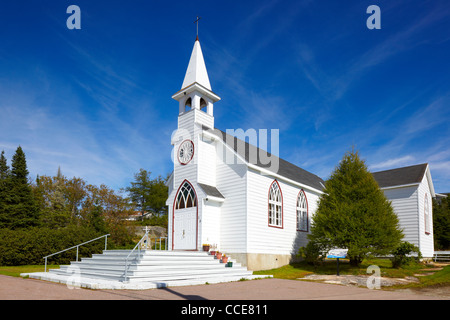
249, 203
410, 189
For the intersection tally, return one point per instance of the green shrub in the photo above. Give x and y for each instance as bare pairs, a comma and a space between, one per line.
404, 254
312, 253
29, 246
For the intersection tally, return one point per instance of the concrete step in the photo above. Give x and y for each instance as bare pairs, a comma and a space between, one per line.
151, 266
159, 275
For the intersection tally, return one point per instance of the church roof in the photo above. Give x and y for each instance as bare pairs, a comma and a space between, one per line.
401, 176
196, 70
251, 154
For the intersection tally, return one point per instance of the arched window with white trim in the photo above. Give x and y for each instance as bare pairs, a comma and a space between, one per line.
186, 197
426, 209
275, 205
302, 212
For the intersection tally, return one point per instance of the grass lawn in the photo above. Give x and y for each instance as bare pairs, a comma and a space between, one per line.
299, 270
15, 271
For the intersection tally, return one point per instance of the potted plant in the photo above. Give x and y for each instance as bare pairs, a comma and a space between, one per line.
218, 255
206, 247
224, 259
213, 249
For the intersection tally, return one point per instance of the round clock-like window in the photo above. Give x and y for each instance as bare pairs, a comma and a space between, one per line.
185, 151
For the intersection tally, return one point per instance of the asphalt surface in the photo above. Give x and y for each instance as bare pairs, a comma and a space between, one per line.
13, 288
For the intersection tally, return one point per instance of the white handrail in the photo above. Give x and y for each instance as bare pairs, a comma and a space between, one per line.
78, 245
139, 252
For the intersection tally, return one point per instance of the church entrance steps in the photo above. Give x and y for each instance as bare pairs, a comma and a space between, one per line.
147, 269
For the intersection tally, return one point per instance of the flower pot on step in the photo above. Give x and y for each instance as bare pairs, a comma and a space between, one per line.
224, 259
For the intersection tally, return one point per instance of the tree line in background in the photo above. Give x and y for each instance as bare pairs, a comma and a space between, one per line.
49, 214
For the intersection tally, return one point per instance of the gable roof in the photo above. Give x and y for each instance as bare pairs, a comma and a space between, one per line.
264, 159
400, 176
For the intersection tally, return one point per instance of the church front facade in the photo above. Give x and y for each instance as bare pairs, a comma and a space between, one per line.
226, 192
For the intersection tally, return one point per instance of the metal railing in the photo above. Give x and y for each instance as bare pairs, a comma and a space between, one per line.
159, 241
138, 246
441, 256
77, 246
144, 243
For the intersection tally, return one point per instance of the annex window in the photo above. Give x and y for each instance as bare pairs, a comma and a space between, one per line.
427, 220
275, 205
302, 212
186, 197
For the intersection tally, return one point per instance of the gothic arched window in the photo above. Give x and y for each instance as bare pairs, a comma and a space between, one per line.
275, 205
302, 212
186, 197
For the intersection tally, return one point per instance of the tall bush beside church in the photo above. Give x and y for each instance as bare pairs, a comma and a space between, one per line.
353, 213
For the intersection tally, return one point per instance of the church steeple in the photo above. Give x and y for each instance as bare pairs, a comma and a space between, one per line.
196, 70
196, 92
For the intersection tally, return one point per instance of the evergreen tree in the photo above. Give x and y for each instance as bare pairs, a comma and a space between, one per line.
353, 213
158, 196
23, 210
5, 191
441, 223
4, 169
148, 194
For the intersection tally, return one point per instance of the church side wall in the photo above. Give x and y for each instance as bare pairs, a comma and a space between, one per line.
271, 247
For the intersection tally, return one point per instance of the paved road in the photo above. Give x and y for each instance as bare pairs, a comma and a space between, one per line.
12, 288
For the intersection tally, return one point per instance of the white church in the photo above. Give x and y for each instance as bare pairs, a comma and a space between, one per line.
250, 204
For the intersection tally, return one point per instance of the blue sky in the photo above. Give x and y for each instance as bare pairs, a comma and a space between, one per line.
97, 101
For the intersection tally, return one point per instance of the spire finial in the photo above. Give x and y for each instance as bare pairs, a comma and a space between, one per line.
196, 22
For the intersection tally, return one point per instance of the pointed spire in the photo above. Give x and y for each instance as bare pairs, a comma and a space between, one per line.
196, 70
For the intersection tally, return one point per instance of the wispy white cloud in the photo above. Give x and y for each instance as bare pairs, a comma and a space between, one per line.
393, 163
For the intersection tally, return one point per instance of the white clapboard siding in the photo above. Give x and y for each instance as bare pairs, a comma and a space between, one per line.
404, 202
426, 244
210, 223
206, 162
185, 131
202, 118
231, 182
